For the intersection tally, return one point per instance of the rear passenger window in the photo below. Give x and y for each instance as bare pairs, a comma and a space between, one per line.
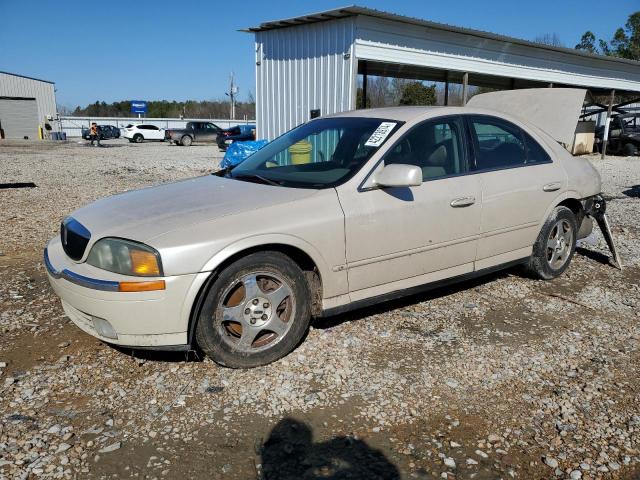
535, 152
498, 144
435, 146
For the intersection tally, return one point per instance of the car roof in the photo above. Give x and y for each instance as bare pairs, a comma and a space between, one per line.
412, 113
402, 114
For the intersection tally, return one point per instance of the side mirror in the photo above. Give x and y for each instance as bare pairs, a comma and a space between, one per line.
399, 175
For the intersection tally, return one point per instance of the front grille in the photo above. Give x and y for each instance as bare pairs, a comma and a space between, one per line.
75, 238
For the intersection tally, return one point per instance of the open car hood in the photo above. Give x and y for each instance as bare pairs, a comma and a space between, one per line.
553, 110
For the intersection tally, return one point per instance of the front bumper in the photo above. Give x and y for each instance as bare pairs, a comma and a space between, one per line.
91, 300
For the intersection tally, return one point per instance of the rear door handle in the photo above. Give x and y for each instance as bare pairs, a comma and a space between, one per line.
462, 202
552, 187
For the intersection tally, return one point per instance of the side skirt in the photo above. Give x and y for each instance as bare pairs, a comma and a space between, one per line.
420, 288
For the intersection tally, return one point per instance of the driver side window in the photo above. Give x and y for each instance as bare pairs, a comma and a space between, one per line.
436, 146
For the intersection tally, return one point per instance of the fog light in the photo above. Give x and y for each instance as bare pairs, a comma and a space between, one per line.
104, 328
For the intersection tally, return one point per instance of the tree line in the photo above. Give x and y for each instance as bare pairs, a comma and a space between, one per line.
624, 44
169, 109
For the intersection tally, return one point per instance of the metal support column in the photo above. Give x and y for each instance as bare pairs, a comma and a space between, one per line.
364, 85
446, 89
605, 137
465, 88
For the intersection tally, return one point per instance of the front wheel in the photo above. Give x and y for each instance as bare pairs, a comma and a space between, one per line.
555, 245
256, 311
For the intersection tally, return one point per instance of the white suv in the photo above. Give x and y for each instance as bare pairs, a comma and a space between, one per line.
140, 133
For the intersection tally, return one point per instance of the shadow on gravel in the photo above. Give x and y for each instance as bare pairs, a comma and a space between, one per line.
595, 256
633, 192
102, 146
289, 453
387, 306
161, 356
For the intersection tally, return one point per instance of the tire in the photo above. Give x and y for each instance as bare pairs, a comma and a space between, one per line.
130, 140
243, 331
138, 138
186, 141
630, 150
555, 245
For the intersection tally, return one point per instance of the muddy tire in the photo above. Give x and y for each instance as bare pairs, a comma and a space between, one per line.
555, 245
256, 311
137, 138
186, 141
630, 150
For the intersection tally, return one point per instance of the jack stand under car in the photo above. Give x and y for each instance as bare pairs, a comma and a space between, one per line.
596, 208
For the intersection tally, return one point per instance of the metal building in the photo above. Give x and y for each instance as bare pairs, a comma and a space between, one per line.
311, 63
26, 105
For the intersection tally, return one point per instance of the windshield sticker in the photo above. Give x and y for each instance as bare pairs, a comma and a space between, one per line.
380, 135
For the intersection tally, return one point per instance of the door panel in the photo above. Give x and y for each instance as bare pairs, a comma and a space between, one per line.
399, 233
400, 237
514, 202
519, 182
208, 133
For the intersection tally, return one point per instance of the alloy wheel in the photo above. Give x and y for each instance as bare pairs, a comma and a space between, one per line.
559, 244
255, 311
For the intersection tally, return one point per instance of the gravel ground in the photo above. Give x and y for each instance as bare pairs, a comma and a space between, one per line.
503, 377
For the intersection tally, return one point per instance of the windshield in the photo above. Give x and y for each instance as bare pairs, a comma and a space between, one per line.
319, 154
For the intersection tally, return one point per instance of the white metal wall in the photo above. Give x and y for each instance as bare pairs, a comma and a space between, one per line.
302, 68
401, 43
73, 126
43, 92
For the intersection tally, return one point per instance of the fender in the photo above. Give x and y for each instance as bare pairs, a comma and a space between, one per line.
193, 300
557, 200
228, 251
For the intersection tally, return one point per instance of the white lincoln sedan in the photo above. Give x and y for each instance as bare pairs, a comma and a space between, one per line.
339, 212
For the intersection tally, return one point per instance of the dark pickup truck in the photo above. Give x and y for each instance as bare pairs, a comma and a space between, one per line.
195, 132
624, 135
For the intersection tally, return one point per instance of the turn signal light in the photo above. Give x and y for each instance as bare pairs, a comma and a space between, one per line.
141, 286
144, 263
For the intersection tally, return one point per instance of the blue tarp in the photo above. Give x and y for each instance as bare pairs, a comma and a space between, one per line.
238, 151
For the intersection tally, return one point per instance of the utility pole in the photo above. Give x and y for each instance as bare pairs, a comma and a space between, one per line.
233, 91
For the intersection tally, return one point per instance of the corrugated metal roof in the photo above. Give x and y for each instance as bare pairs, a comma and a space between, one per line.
30, 78
354, 10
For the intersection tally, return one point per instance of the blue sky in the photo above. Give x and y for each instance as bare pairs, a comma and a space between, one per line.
177, 50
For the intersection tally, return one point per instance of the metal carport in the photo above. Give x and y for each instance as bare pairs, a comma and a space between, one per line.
309, 65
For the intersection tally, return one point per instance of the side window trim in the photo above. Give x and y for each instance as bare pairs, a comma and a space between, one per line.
445, 118
526, 135
473, 143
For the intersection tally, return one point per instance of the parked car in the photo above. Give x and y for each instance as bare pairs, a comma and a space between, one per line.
106, 132
624, 135
143, 132
194, 132
340, 212
239, 133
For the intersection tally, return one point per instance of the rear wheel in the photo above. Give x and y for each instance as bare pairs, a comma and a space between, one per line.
256, 311
138, 138
630, 150
555, 245
186, 141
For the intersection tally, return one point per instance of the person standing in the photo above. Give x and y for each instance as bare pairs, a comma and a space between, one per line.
93, 134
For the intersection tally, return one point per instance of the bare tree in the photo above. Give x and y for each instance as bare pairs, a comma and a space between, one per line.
552, 39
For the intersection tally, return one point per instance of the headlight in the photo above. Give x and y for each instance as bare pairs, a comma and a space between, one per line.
125, 257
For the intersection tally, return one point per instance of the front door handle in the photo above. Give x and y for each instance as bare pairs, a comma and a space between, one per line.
552, 187
462, 202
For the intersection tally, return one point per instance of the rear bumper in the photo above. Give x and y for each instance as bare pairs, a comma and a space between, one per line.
90, 298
